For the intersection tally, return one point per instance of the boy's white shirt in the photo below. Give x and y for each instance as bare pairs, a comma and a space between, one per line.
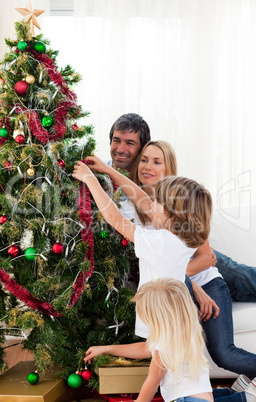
161, 254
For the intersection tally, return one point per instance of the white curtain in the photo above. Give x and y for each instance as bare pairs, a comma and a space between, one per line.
187, 66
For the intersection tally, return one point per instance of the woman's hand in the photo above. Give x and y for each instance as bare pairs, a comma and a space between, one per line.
81, 172
97, 164
93, 352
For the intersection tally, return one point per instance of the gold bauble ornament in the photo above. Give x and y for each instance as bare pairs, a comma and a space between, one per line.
19, 131
31, 171
30, 79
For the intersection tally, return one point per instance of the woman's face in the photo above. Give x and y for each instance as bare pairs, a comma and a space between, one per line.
152, 166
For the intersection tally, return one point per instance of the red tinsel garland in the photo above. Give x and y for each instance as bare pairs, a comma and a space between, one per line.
34, 123
39, 131
25, 296
85, 210
53, 74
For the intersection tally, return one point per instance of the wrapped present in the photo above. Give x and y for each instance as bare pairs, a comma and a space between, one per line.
115, 379
14, 386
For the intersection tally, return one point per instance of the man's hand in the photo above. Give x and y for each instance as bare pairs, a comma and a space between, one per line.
214, 259
207, 306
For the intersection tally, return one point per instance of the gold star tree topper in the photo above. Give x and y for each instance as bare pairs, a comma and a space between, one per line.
30, 16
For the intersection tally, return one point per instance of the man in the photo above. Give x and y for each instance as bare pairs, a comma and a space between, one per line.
128, 135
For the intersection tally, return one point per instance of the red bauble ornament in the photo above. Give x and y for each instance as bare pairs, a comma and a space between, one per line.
57, 248
75, 127
124, 242
8, 165
3, 219
61, 163
86, 374
20, 139
21, 87
13, 251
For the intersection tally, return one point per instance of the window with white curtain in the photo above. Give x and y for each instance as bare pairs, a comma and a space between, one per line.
187, 66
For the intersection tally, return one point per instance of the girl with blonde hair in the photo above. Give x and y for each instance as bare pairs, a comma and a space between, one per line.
175, 343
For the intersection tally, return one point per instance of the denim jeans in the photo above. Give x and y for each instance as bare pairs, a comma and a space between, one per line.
228, 395
220, 334
188, 283
220, 395
240, 278
190, 399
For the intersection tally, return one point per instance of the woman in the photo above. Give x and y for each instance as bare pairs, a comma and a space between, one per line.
157, 160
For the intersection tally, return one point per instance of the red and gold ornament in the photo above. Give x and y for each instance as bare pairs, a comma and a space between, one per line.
57, 248
8, 165
75, 127
86, 374
21, 88
124, 242
13, 251
3, 219
61, 163
20, 139
30, 79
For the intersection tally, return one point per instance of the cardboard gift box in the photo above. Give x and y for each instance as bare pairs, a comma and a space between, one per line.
14, 386
114, 379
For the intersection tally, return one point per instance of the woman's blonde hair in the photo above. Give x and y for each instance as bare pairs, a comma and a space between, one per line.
188, 206
166, 307
170, 164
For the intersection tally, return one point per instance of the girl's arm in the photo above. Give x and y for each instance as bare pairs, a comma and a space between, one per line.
137, 350
202, 260
151, 384
133, 192
106, 206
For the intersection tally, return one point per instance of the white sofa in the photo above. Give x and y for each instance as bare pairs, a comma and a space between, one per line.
233, 232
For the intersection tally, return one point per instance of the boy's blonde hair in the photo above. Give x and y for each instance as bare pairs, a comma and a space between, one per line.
166, 307
189, 207
170, 164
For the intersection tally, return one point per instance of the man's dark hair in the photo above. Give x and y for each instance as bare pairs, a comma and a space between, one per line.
132, 122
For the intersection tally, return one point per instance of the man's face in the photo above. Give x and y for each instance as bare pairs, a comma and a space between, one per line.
124, 149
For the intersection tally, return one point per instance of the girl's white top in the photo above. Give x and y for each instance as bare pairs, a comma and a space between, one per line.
184, 385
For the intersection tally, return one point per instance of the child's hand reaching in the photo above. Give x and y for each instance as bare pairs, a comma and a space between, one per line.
81, 172
94, 351
97, 164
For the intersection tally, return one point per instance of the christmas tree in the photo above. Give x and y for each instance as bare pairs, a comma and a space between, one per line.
62, 269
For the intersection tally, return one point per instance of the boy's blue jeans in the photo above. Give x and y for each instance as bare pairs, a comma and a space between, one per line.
240, 278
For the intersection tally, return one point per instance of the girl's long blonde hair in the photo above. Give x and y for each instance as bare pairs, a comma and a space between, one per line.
170, 164
167, 309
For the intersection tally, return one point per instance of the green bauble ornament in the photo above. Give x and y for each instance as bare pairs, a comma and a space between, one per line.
75, 380
3, 132
103, 234
33, 378
30, 253
22, 45
40, 47
47, 121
